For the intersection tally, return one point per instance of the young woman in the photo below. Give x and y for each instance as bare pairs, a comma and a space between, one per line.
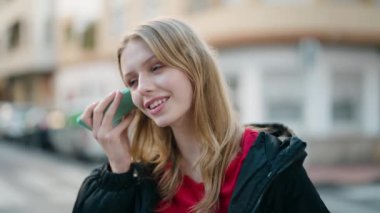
182, 149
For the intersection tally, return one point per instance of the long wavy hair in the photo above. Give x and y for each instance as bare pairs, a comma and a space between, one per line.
175, 44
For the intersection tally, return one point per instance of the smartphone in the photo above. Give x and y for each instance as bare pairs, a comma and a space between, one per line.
126, 105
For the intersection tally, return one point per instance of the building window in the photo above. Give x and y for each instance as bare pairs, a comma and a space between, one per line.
89, 37
285, 110
14, 36
283, 96
346, 106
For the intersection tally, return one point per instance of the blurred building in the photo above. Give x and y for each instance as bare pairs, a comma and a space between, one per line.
26, 51
86, 71
311, 64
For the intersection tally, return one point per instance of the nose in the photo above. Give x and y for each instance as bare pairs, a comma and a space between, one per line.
145, 84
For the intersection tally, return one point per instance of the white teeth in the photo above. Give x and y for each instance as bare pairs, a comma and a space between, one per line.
156, 103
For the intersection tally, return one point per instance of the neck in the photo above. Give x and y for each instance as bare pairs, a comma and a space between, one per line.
189, 148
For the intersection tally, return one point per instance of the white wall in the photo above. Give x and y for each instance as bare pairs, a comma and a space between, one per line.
250, 64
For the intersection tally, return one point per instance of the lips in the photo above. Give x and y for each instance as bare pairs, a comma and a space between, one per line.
155, 102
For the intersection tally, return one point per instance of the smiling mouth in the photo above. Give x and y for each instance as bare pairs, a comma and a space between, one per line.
157, 103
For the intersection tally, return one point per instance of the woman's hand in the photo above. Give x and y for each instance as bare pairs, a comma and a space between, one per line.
114, 140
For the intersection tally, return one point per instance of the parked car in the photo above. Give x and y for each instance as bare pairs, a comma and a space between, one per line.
36, 128
50, 129
24, 123
69, 138
12, 121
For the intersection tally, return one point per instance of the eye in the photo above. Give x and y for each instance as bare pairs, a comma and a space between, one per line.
156, 67
131, 83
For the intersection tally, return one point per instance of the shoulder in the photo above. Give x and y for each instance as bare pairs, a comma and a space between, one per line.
278, 130
275, 138
248, 138
276, 148
273, 168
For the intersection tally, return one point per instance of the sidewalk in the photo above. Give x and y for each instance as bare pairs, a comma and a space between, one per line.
343, 174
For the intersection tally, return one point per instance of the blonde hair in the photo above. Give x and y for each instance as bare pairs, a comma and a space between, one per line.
177, 45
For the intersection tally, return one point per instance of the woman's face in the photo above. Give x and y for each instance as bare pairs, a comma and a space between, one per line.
162, 93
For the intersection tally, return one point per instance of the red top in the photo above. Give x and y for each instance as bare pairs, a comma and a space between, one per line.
191, 192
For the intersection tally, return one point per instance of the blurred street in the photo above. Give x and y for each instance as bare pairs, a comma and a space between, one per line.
35, 181
32, 180
352, 199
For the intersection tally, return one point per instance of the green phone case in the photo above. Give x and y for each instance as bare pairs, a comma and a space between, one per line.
126, 105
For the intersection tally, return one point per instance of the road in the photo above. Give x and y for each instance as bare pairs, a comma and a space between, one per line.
34, 181
352, 199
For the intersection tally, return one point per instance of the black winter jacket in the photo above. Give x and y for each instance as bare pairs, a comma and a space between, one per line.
272, 180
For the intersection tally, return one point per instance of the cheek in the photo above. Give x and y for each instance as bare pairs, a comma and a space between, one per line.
136, 99
184, 88
163, 80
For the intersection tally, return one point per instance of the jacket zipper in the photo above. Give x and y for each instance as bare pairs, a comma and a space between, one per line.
271, 177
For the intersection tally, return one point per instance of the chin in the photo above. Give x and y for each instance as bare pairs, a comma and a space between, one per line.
161, 123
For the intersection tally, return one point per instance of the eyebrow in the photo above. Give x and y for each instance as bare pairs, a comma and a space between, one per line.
143, 64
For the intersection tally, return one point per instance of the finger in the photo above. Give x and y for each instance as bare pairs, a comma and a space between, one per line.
86, 116
99, 111
124, 124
